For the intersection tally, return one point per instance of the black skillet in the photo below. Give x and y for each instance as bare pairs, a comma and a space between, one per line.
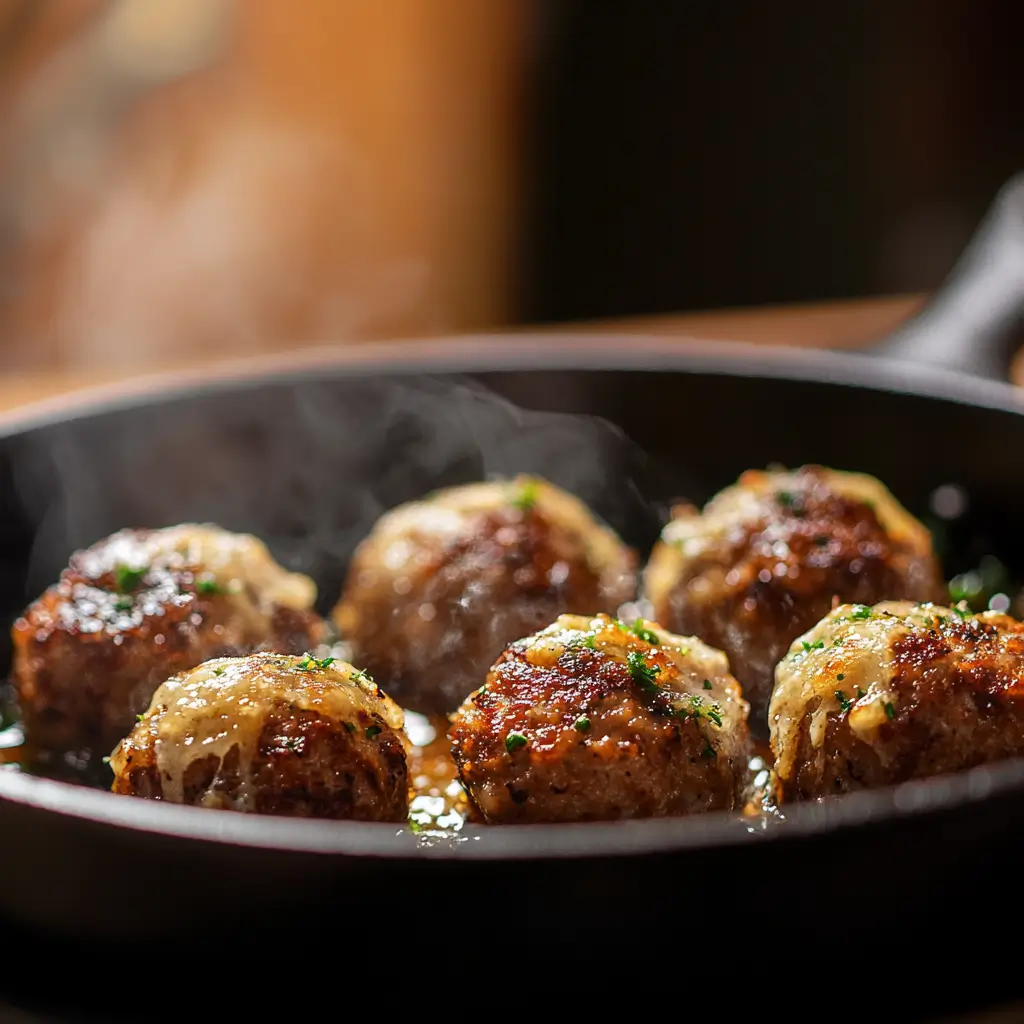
307, 453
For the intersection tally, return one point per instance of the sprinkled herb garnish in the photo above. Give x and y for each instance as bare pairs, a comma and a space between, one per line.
844, 703
139, 718
707, 684
708, 750
415, 826
106, 759
784, 498
209, 587
526, 497
127, 579
372, 731
515, 740
219, 671
580, 639
838, 642
309, 663
643, 672
840, 677
890, 711
645, 634
292, 743
582, 724
123, 604
821, 540
816, 646
349, 726
860, 611
860, 693
694, 707
962, 611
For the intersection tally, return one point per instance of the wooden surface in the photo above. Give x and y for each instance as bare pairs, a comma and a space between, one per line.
850, 324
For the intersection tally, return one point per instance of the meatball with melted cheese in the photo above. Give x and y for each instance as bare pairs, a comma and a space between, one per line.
878, 695
138, 607
770, 555
441, 585
270, 734
590, 720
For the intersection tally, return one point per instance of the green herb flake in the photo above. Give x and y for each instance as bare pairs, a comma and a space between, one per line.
784, 498
106, 759
581, 639
707, 684
139, 718
645, 634
126, 579
124, 604
860, 693
840, 677
816, 646
219, 671
293, 743
890, 711
821, 541
694, 707
415, 827
526, 497
372, 731
209, 587
309, 663
582, 724
860, 611
350, 726
844, 703
515, 740
643, 672
962, 611
708, 751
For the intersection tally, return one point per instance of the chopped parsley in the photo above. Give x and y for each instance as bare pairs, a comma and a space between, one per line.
139, 718
785, 499
861, 611
821, 540
309, 663
293, 743
707, 684
526, 497
816, 646
358, 674
126, 579
890, 711
349, 726
644, 634
209, 587
515, 740
696, 708
962, 610
582, 724
708, 750
860, 693
838, 642
581, 639
219, 671
840, 677
372, 731
844, 702
123, 604
643, 672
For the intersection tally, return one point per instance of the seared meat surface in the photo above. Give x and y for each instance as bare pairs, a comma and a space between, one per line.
589, 720
441, 585
769, 556
878, 695
270, 734
142, 605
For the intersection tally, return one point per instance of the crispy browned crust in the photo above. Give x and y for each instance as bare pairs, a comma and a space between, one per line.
636, 759
491, 585
782, 574
307, 765
87, 658
958, 703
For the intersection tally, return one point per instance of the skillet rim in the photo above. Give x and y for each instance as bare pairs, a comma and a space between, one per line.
478, 353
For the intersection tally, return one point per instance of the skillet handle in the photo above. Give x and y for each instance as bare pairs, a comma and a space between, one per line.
975, 322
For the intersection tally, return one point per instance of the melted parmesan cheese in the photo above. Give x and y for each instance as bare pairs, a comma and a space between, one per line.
231, 560
444, 517
693, 660
223, 704
855, 645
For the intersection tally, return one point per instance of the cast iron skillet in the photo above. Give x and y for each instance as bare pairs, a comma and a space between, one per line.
306, 453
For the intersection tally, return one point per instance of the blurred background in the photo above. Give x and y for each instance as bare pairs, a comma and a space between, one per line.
196, 178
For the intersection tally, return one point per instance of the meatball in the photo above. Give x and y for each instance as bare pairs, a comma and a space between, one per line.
270, 734
138, 607
874, 696
770, 555
592, 720
441, 585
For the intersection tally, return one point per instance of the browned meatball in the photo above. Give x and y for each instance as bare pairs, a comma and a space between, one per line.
770, 555
271, 734
138, 607
873, 696
590, 720
442, 585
